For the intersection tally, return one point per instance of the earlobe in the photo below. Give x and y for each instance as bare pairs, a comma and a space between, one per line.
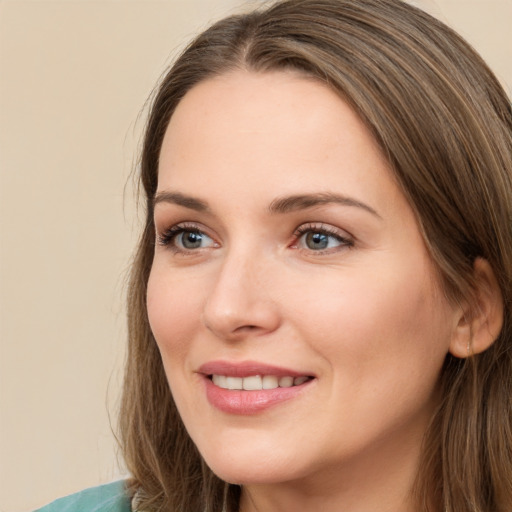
480, 321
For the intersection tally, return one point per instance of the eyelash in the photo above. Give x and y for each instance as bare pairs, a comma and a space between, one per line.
168, 237
344, 241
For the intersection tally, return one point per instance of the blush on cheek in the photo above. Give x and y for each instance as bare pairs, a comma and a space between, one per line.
171, 335
170, 320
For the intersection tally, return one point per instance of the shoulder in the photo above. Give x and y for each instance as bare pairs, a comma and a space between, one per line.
105, 498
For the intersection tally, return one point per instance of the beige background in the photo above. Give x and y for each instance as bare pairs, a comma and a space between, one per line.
74, 76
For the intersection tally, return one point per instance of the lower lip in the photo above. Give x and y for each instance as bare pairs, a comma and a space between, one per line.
249, 402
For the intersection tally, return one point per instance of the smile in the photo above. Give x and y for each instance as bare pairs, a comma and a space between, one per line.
257, 382
251, 387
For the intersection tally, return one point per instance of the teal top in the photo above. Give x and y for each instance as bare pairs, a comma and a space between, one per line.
105, 498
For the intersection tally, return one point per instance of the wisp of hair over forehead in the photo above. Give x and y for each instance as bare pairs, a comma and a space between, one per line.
445, 124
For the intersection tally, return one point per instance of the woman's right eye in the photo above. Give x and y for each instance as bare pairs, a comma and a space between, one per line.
183, 239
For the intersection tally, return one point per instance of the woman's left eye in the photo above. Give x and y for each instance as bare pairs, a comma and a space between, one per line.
320, 239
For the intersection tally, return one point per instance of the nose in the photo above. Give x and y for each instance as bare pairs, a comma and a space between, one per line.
240, 302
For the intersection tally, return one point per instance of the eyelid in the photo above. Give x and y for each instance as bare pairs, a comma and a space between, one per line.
165, 237
346, 240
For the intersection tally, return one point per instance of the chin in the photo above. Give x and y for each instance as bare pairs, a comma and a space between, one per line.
251, 466
258, 474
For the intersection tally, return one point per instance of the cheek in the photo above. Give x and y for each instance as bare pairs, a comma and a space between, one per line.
395, 318
174, 316
174, 310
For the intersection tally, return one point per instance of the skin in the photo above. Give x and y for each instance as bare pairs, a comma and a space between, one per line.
366, 316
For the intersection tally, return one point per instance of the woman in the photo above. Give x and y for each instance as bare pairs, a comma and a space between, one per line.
319, 306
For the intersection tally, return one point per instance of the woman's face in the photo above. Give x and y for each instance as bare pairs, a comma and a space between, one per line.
288, 263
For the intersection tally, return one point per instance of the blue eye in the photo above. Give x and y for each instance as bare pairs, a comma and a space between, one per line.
315, 238
192, 240
319, 241
181, 238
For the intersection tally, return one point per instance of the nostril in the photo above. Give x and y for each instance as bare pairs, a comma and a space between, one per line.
246, 328
232, 317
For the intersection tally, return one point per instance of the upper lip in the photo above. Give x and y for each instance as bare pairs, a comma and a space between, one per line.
248, 368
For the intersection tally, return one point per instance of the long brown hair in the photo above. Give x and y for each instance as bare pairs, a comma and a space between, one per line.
445, 124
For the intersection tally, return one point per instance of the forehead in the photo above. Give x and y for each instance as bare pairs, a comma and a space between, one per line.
240, 101
279, 133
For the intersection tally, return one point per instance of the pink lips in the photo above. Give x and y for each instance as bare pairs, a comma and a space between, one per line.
248, 402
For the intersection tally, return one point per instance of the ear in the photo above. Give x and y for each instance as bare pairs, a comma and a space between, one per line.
479, 323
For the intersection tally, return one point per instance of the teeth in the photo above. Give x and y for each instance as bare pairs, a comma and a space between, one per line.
234, 382
257, 382
286, 382
252, 383
220, 380
270, 382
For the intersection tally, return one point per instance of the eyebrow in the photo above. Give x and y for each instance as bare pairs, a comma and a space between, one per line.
304, 201
189, 202
277, 206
